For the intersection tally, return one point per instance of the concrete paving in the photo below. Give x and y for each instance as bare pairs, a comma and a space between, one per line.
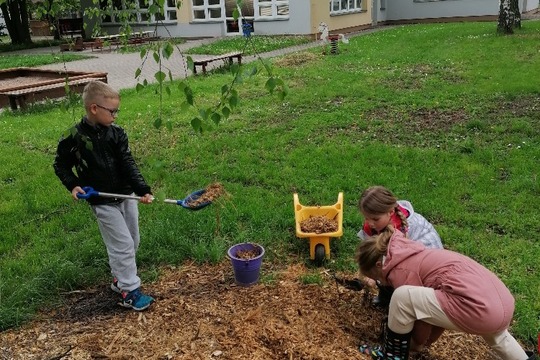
121, 67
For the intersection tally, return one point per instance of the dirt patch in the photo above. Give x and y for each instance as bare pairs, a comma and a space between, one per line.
433, 120
296, 59
200, 314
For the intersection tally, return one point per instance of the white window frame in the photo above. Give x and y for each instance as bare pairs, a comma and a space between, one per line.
140, 12
345, 6
273, 6
207, 8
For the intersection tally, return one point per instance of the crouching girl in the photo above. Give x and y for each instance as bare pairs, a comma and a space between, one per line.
436, 290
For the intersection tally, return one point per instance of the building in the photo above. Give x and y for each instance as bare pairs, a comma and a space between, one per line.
214, 18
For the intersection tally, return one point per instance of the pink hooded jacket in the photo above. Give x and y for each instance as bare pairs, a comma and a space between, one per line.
472, 297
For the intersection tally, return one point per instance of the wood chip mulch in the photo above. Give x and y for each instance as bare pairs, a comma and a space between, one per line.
211, 193
200, 314
318, 224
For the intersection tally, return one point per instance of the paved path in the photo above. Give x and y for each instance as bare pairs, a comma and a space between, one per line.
121, 68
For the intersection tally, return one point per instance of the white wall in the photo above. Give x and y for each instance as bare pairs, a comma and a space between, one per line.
299, 22
528, 5
407, 9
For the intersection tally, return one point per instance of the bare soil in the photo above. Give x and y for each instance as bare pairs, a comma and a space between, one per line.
200, 314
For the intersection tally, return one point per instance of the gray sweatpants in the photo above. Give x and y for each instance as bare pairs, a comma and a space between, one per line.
412, 303
119, 227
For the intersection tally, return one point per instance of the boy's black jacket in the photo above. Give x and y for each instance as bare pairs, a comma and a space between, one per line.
102, 160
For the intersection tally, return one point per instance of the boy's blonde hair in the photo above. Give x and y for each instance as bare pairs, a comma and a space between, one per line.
378, 200
96, 90
373, 249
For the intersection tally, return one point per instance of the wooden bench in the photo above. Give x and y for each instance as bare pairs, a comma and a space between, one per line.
18, 97
203, 62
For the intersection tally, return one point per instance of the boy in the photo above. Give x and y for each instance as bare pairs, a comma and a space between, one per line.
99, 151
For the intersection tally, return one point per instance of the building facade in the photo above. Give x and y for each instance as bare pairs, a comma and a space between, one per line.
215, 18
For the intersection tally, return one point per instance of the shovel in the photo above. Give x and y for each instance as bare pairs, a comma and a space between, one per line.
90, 192
354, 285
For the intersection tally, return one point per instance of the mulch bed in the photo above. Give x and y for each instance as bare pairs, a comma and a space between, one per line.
201, 314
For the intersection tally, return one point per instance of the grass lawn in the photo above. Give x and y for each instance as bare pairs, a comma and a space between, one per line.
252, 46
444, 115
11, 61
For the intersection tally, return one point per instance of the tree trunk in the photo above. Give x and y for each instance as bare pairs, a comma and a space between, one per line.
15, 15
506, 18
514, 7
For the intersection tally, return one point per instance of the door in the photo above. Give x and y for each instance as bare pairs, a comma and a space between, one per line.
235, 27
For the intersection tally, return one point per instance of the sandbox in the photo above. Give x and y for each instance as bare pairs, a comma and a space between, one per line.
20, 86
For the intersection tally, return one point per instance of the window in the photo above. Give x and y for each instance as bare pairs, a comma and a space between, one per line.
136, 11
271, 9
345, 6
204, 10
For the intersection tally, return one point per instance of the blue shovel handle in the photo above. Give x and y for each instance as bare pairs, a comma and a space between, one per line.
185, 203
89, 193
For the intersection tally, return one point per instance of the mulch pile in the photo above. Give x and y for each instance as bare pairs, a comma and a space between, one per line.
318, 224
201, 314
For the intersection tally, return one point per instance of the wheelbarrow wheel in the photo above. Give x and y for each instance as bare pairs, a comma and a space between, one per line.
320, 254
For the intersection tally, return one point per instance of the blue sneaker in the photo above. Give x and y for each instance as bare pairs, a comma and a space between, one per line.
135, 300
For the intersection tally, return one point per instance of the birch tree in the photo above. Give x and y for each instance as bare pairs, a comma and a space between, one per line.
509, 16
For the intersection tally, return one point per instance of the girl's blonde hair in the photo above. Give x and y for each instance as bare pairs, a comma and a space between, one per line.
378, 200
373, 249
96, 90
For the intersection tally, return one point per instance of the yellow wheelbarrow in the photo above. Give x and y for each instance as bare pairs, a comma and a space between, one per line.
319, 243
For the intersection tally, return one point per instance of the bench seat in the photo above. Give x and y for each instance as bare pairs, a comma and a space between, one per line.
204, 61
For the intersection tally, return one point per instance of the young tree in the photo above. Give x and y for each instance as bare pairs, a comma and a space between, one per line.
15, 14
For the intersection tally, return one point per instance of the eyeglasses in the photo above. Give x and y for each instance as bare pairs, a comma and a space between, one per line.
113, 112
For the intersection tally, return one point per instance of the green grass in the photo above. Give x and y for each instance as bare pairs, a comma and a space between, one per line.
11, 61
128, 48
254, 45
445, 115
6, 45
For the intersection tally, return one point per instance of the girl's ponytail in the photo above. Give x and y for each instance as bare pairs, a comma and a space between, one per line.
373, 249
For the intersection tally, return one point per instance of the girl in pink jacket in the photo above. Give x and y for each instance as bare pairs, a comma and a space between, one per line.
436, 290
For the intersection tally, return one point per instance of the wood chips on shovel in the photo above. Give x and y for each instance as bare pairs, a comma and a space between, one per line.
212, 192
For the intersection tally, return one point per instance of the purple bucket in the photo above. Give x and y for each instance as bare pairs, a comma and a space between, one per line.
246, 271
